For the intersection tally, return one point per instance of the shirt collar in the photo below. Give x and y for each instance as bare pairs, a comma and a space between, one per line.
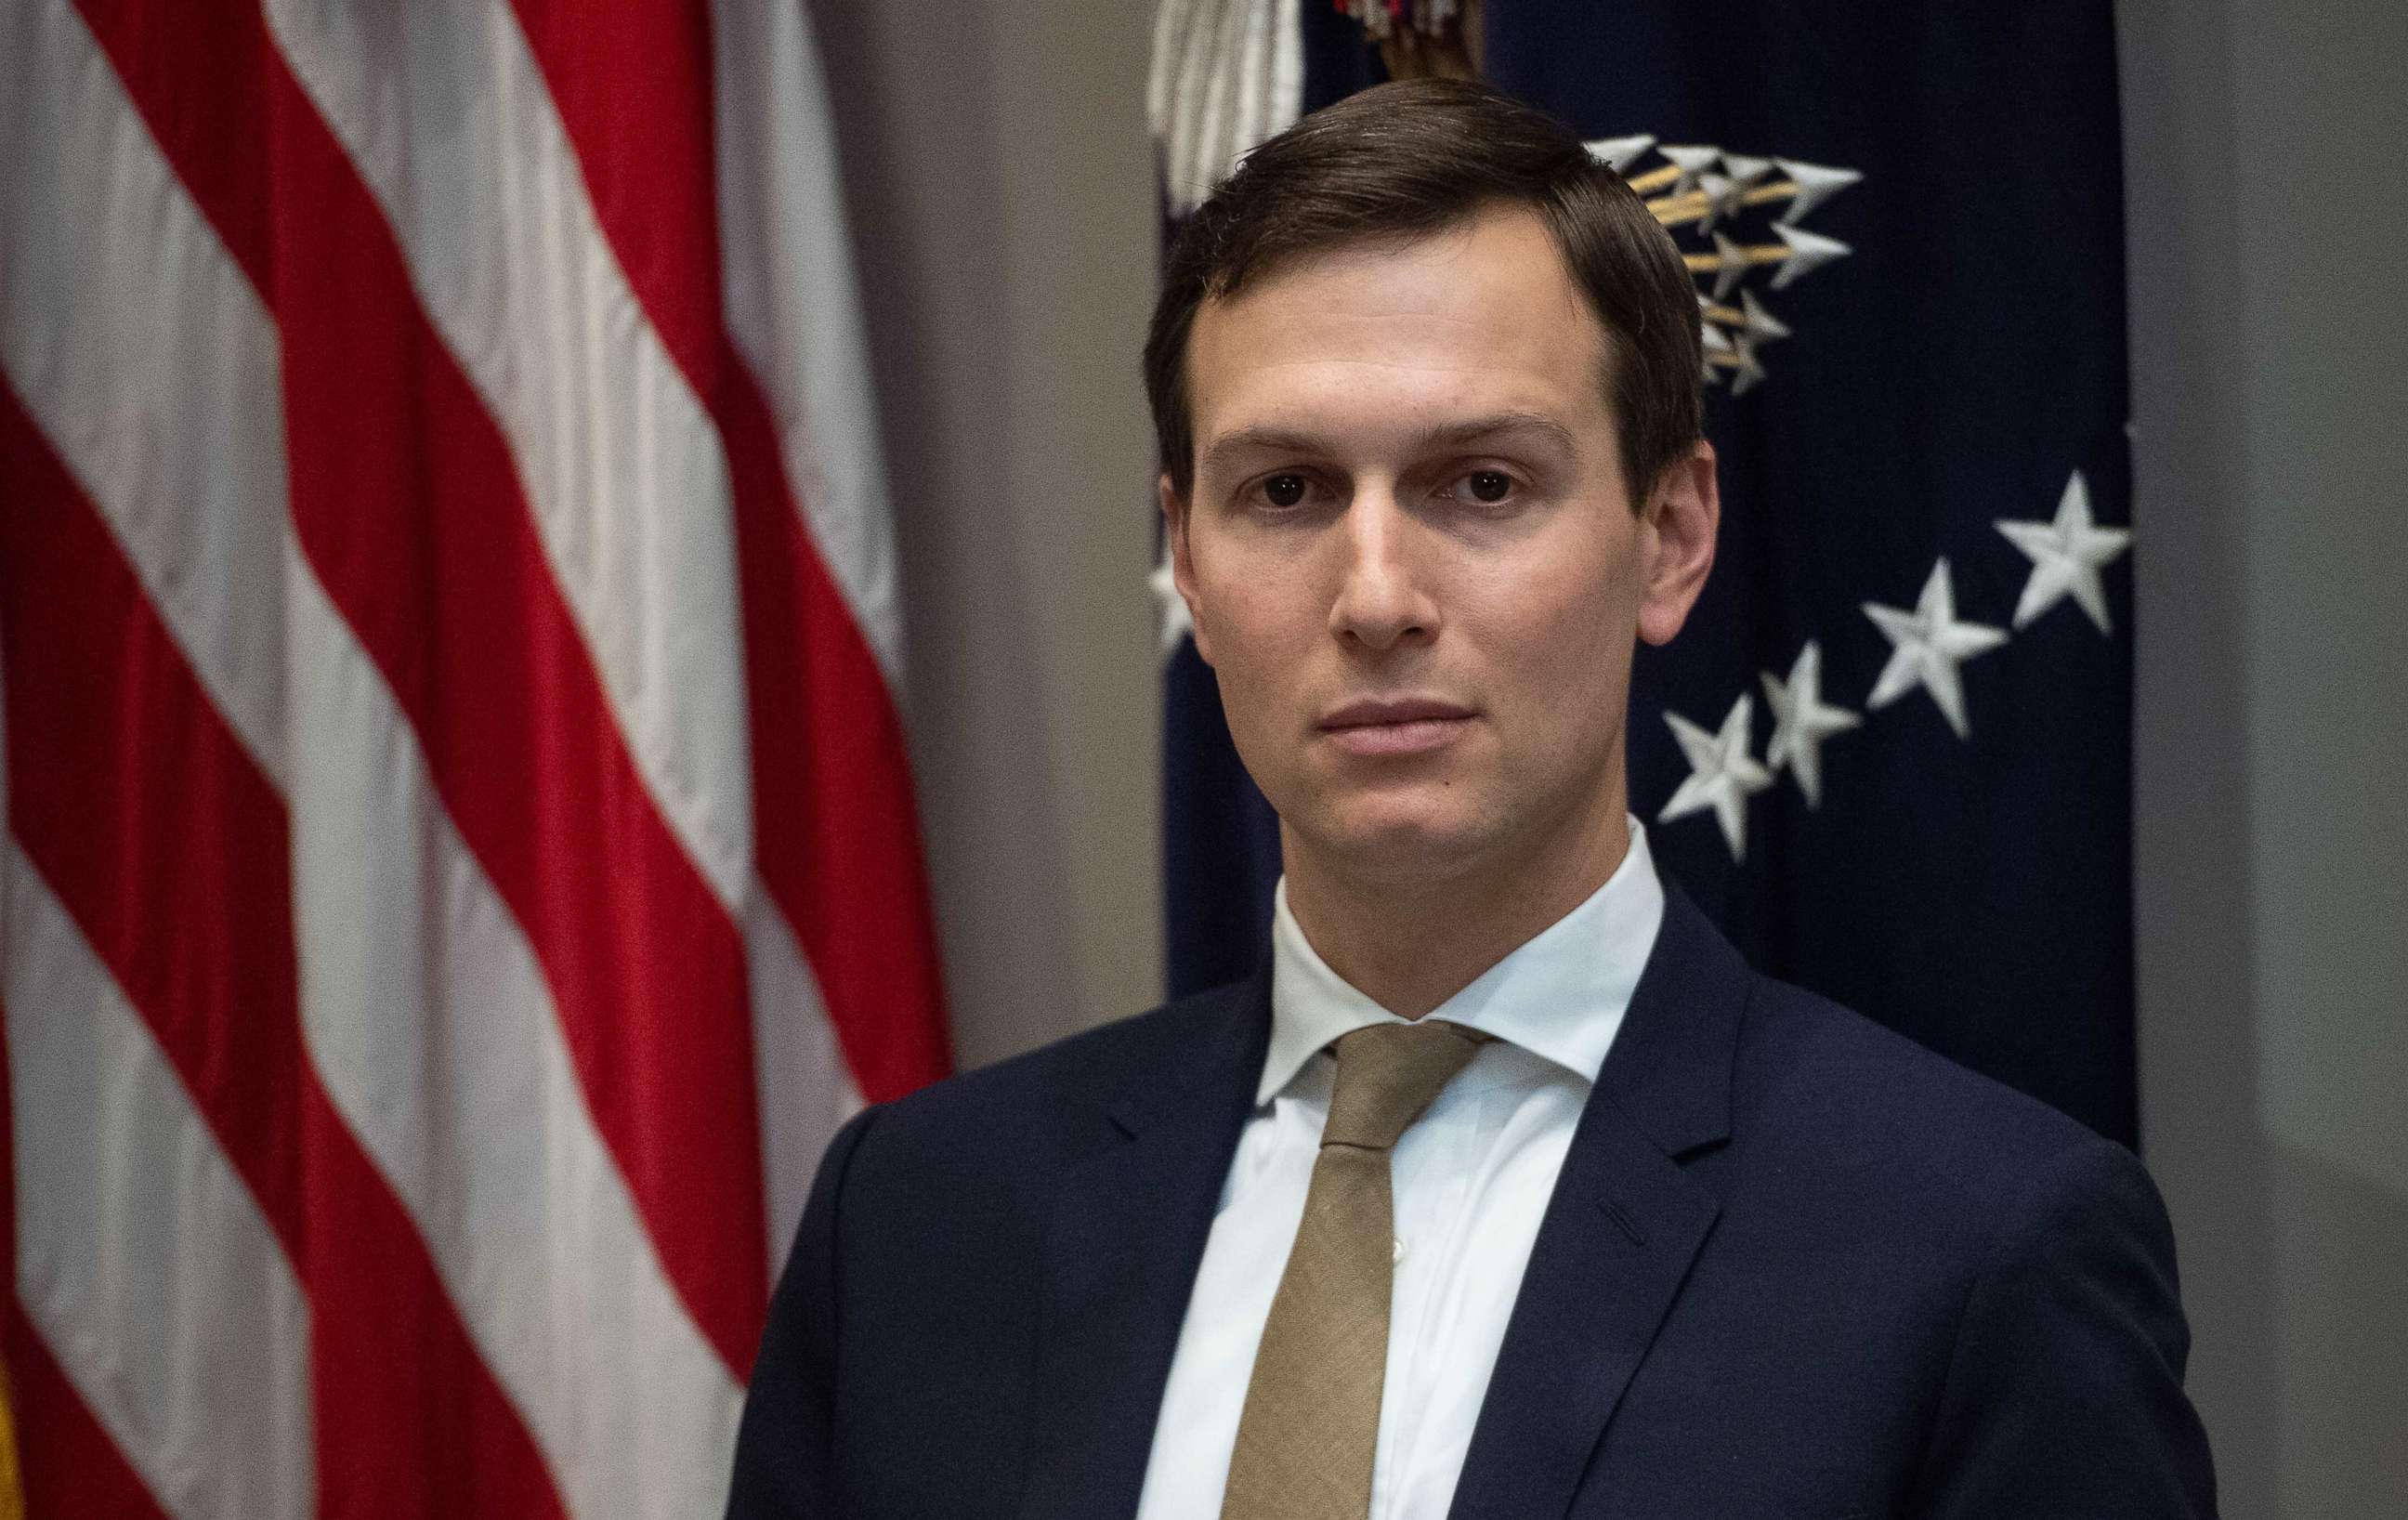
1560, 995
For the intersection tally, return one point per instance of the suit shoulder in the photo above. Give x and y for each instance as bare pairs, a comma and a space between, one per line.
1816, 1077
1077, 1074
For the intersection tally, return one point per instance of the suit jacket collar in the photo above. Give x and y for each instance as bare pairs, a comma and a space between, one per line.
1129, 1224
1670, 1070
1620, 1232
1131, 1219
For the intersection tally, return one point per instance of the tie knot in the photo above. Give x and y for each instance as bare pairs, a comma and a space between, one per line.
1387, 1074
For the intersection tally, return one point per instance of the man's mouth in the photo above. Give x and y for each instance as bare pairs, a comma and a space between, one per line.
1396, 725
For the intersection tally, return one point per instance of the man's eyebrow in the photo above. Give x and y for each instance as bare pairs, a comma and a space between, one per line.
1498, 426
1503, 425
1264, 439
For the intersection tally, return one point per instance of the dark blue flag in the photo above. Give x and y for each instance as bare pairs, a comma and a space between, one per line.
1890, 753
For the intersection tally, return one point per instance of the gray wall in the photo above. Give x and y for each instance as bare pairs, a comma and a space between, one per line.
1001, 190
1001, 197
2267, 220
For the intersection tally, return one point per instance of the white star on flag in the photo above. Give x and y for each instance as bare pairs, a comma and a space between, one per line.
1801, 722
1722, 774
1176, 622
2066, 556
1927, 645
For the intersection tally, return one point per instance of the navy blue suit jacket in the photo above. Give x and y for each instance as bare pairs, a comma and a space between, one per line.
1795, 1266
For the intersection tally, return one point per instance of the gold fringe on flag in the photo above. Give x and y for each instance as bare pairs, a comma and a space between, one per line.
12, 1490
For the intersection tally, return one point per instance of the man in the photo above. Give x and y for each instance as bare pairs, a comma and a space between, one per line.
1505, 1190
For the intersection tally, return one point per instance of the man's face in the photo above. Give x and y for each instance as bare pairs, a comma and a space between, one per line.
1413, 562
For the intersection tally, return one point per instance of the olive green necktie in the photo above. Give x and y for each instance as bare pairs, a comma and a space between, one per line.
1311, 1418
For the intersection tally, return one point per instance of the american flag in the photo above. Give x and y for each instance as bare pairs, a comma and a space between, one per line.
460, 860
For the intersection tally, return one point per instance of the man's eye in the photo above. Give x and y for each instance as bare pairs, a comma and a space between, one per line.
1285, 490
1488, 487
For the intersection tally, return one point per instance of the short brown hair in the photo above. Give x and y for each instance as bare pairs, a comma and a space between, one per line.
1408, 159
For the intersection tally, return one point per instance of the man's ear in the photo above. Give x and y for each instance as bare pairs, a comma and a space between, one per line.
1682, 518
1182, 562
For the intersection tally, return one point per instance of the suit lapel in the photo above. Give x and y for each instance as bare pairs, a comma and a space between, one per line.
1127, 1235
1620, 1230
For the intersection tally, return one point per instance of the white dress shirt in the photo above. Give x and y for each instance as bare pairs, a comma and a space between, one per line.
1472, 1177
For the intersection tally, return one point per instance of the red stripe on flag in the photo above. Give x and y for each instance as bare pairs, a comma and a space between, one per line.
216, 136
410, 1421
407, 501
170, 850
150, 821
835, 831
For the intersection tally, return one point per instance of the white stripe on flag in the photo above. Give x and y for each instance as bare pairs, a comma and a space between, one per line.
792, 313
446, 116
429, 1020
140, 1256
792, 309
807, 1090
618, 460
146, 358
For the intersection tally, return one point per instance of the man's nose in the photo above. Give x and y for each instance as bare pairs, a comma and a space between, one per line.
1383, 597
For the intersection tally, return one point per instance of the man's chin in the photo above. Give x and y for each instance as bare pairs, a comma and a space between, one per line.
1397, 846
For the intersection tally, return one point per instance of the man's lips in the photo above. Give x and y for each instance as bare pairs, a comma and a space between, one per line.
1398, 726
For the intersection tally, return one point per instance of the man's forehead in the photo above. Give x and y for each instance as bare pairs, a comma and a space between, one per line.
1421, 341
1512, 429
